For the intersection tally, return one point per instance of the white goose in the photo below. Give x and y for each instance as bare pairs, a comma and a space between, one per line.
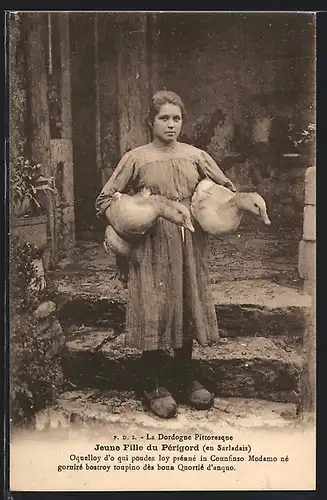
219, 211
131, 217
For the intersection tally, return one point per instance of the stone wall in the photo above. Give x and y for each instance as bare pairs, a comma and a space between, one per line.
307, 271
307, 246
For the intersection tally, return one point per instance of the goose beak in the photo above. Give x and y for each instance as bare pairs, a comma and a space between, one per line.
265, 218
188, 225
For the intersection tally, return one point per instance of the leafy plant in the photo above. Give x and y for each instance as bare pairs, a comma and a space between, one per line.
28, 184
35, 377
303, 138
23, 272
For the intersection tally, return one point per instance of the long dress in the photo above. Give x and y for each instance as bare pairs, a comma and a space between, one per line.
169, 294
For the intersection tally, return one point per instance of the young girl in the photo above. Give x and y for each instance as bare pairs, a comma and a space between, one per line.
170, 301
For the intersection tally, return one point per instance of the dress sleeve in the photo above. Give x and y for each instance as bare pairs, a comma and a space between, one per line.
209, 168
120, 180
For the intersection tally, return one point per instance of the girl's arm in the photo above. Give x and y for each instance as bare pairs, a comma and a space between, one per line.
119, 181
211, 170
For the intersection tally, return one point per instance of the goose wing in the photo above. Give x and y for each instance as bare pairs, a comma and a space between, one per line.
208, 194
208, 206
132, 214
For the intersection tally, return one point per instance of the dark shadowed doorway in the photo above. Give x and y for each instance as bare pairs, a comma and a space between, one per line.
87, 175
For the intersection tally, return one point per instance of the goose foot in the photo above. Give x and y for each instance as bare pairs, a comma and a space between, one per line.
123, 278
122, 270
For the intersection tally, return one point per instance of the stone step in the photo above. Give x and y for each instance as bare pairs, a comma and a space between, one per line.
122, 410
250, 367
242, 306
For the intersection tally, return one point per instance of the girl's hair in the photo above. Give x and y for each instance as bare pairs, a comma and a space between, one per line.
159, 99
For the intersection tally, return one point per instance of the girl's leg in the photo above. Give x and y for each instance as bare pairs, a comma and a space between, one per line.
183, 363
190, 389
151, 361
157, 397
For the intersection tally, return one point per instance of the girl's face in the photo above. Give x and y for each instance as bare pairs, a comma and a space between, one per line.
167, 123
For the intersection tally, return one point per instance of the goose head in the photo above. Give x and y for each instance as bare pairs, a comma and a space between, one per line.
176, 212
254, 203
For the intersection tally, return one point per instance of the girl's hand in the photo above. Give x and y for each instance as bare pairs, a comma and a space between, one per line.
229, 185
108, 215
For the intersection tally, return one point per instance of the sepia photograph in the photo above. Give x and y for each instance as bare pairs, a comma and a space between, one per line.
162, 250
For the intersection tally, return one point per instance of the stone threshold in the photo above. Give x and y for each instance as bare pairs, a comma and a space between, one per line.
256, 367
95, 409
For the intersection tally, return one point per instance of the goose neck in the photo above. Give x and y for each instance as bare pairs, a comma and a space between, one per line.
238, 201
162, 205
159, 204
